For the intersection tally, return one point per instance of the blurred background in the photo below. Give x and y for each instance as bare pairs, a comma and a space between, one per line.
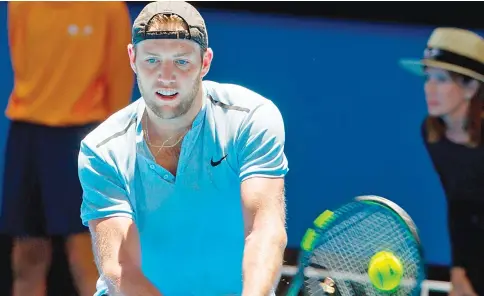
352, 115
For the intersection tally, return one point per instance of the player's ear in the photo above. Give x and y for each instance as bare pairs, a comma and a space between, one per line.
206, 61
132, 56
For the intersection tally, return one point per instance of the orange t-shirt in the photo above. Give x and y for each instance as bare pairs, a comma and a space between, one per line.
69, 60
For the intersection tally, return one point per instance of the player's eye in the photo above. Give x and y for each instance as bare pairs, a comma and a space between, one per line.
151, 60
182, 63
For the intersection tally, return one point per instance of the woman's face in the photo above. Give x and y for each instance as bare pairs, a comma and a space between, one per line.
444, 92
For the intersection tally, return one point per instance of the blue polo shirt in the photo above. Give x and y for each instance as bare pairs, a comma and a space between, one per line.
191, 226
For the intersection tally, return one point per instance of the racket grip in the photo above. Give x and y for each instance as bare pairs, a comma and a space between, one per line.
295, 285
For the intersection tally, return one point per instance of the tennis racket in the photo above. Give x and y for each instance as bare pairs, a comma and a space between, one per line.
337, 249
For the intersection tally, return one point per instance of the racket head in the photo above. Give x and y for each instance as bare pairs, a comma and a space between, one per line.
345, 245
399, 211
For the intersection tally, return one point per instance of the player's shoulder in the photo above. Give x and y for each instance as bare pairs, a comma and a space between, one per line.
234, 96
112, 133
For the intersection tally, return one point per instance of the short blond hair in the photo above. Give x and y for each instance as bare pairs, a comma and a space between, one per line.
166, 22
169, 22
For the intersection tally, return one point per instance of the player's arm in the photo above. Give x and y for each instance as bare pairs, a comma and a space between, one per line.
117, 252
264, 214
263, 167
107, 211
120, 77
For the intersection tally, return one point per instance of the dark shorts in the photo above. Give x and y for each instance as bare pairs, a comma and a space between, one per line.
41, 190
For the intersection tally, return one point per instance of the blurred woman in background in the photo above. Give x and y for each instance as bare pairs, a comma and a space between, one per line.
453, 65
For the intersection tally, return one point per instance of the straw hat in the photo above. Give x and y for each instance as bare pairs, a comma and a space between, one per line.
452, 49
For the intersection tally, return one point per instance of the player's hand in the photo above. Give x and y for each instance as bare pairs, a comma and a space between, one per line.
461, 286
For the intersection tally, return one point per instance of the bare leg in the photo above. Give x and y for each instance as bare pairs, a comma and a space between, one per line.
31, 258
81, 262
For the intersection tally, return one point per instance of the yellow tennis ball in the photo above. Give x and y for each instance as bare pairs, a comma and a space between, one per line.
385, 271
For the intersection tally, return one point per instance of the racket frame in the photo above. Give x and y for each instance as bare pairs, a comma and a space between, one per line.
318, 228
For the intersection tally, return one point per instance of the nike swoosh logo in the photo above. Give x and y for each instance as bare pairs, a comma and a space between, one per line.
216, 163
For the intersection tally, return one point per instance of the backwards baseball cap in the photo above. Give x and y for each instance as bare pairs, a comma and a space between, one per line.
196, 32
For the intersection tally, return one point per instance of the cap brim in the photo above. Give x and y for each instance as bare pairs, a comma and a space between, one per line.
417, 67
413, 66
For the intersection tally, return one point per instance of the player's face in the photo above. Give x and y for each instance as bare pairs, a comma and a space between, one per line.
444, 95
169, 74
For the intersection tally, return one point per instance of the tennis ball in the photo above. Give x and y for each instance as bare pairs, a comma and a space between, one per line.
385, 271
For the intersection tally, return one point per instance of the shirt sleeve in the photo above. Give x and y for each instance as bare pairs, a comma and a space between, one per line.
103, 193
260, 144
16, 21
12, 20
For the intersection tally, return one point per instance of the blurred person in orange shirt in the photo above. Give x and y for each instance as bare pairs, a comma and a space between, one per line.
70, 73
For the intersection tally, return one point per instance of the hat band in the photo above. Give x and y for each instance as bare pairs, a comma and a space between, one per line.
167, 35
442, 55
141, 35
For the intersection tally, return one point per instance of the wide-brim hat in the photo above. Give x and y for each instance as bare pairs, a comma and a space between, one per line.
457, 50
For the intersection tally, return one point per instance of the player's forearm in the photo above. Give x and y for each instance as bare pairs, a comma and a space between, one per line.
129, 282
263, 257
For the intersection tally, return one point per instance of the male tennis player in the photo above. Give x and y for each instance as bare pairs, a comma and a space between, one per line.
453, 135
184, 189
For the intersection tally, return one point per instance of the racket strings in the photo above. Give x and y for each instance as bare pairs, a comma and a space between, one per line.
345, 250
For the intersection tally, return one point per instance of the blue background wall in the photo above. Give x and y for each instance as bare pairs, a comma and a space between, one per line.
352, 115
